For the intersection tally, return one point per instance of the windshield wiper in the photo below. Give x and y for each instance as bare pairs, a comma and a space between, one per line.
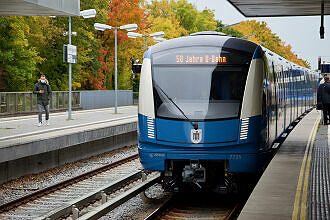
194, 125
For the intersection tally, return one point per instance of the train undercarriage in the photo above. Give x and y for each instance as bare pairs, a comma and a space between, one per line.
204, 175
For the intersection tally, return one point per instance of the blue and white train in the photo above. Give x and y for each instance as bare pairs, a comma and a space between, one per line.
212, 107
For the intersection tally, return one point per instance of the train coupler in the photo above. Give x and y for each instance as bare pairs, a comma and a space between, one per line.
194, 173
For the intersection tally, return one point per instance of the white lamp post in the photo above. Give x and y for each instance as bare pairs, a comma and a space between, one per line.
159, 39
103, 27
85, 14
156, 36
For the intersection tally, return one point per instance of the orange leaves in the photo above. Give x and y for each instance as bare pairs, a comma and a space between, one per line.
121, 13
97, 82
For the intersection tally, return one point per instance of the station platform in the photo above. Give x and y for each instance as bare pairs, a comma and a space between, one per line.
295, 185
25, 147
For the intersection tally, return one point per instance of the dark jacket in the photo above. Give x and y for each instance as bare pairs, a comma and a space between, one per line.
42, 98
319, 97
323, 93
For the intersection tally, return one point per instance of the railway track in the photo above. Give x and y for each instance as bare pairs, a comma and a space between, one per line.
97, 192
194, 206
115, 182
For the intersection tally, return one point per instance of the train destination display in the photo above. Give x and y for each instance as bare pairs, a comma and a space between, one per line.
205, 59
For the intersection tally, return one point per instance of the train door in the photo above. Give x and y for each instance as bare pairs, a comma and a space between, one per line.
301, 92
297, 92
305, 90
315, 82
292, 95
308, 89
283, 98
287, 95
280, 106
274, 104
290, 92
266, 104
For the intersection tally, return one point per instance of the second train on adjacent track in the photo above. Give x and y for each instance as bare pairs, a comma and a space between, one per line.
212, 107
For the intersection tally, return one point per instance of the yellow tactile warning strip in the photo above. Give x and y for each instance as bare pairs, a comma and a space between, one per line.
300, 203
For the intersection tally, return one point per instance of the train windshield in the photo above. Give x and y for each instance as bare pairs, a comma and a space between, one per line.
202, 91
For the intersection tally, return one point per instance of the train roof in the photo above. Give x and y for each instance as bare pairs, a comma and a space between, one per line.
206, 38
218, 39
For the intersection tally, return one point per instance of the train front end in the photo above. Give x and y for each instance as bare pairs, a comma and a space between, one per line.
191, 125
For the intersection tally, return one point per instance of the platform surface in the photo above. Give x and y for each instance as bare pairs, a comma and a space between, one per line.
26, 148
283, 191
20, 136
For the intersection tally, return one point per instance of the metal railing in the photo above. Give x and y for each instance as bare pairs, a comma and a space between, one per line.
26, 102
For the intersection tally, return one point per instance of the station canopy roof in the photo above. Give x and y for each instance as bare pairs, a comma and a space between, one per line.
278, 8
39, 7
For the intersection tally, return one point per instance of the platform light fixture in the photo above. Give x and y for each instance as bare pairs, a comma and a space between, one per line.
159, 39
129, 27
104, 27
134, 35
90, 13
247, 36
230, 25
156, 35
227, 26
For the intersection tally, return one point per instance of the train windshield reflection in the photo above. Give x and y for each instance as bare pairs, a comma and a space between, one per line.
203, 92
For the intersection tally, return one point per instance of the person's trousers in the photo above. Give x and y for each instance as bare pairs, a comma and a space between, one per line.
40, 108
326, 113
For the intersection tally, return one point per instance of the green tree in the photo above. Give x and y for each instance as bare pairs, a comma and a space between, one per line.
186, 14
18, 59
205, 20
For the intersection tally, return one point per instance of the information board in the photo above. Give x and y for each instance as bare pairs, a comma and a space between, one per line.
69, 53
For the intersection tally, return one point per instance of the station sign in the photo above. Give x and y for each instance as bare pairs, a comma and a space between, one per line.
69, 53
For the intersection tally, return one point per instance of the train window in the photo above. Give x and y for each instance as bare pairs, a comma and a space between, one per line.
201, 92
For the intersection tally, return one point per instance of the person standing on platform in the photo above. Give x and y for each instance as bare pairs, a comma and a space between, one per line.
323, 94
43, 91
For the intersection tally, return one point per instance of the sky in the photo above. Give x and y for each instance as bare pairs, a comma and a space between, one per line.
302, 33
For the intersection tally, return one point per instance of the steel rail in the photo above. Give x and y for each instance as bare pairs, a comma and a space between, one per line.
55, 187
161, 209
168, 205
232, 213
120, 199
100, 194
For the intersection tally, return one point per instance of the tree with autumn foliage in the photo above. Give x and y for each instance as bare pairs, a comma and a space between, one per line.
120, 13
264, 35
184, 16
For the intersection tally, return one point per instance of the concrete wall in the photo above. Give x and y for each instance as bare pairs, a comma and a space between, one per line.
104, 98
